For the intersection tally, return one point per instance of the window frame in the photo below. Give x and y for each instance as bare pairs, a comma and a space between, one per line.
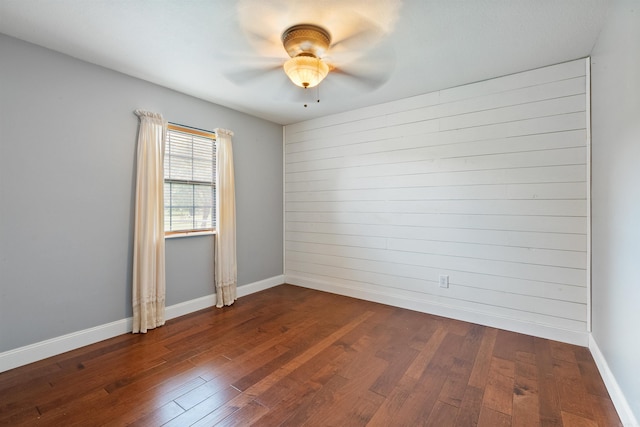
201, 133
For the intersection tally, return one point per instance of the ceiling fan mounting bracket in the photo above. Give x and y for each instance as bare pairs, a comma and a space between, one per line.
306, 39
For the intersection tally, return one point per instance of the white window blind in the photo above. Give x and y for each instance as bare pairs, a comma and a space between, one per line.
189, 180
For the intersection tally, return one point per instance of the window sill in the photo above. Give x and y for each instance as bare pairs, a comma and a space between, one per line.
188, 234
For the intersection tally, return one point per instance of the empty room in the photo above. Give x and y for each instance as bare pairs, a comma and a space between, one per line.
319, 213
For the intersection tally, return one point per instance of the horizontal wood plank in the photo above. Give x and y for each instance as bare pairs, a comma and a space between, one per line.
486, 183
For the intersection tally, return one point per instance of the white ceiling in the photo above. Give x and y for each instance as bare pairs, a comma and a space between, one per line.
214, 49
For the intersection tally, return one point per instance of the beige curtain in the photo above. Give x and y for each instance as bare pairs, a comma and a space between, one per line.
148, 244
226, 272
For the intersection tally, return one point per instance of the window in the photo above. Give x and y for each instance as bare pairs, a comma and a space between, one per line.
189, 180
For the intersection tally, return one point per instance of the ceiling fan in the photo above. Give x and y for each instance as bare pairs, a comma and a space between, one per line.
313, 56
306, 44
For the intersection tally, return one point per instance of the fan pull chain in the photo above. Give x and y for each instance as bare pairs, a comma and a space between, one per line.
317, 95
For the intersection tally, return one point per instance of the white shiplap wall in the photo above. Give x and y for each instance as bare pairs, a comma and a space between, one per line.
486, 183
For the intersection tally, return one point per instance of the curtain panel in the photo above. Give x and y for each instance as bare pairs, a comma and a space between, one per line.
226, 273
148, 244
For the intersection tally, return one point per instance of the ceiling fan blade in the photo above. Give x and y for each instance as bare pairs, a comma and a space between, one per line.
356, 33
288, 92
369, 81
360, 40
244, 69
368, 71
247, 75
268, 46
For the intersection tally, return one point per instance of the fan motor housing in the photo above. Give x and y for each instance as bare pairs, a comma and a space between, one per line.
306, 39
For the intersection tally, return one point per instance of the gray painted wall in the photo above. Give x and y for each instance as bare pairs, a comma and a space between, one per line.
615, 71
67, 174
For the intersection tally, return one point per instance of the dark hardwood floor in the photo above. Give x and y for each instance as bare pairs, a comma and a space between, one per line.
290, 356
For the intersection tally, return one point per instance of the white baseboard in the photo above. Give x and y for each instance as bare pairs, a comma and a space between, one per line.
260, 285
617, 397
207, 301
426, 306
54, 346
51, 347
190, 306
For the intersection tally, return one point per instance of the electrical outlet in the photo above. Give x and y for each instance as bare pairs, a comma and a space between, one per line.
443, 281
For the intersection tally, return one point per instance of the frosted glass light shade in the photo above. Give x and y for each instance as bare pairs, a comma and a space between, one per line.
306, 71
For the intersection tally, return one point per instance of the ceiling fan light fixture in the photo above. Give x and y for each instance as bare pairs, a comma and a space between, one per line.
306, 70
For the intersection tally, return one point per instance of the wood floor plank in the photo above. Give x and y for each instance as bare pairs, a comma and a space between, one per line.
491, 418
223, 364
126, 405
362, 410
280, 372
320, 367
403, 356
293, 394
19, 415
424, 333
442, 414
470, 407
26, 374
563, 351
287, 398
355, 402
72, 412
244, 416
572, 420
526, 405
158, 417
201, 393
20, 400
589, 373
292, 356
351, 407
271, 360
425, 391
318, 347
498, 394
394, 404
457, 327
76, 386
214, 404
571, 390
323, 398
423, 359
480, 372
455, 386
550, 415
509, 343
604, 413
